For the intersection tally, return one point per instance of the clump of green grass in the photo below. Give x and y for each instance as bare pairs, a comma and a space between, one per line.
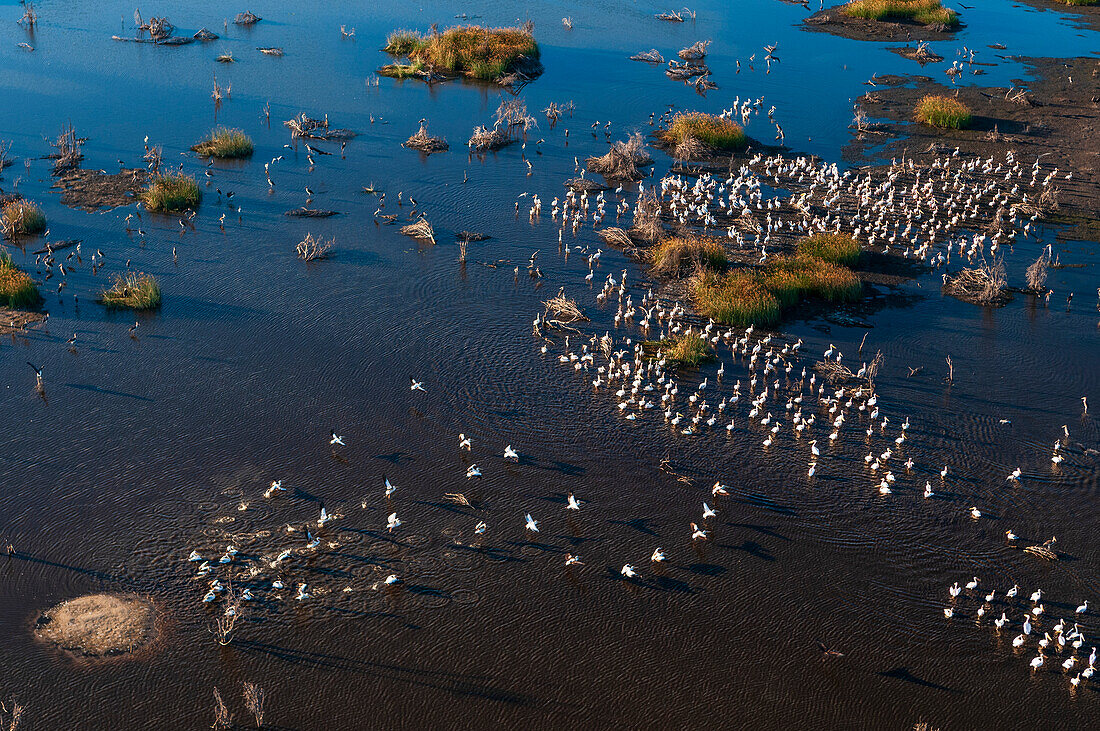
17, 289
710, 129
925, 12
471, 50
835, 248
171, 192
689, 349
677, 254
748, 296
22, 218
225, 142
738, 298
136, 291
945, 112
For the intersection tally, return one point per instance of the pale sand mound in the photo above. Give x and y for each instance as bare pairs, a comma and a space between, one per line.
99, 624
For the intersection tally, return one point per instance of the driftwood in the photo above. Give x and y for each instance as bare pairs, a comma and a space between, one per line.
426, 143
584, 185
1037, 274
420, 230
651, 56
247, 18
984, 285
695, 52
622, 161
312, 248
318, 129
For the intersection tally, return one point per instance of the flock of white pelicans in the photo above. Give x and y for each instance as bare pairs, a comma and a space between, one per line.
1066, 641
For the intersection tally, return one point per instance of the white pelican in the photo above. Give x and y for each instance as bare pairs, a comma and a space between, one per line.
416, 385
464, 442
1018, 641
697, 533
511, 454
302, 593
277, 584
571, 503
571, 560
472, 471
1037, 662
392, 579
719, 489
194, 556
336, 439
708, 512
659, 555
325, 517
1083, 608
972, 584
628, 571
481, 527
532, 524
390, 487
1036, 596
975, 513
392, 521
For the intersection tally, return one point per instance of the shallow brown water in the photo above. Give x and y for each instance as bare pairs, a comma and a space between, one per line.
143, 449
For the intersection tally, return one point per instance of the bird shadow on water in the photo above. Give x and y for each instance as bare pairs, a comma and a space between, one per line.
106, 391
457, 683
396, 458
903, 673
752, 548
765, 529
638, 524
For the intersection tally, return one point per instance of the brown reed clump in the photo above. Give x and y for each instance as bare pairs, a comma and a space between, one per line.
677, 255
426, 143
313, 248
68, 155
222, 717
420, 230
622, 161
1037, 274
561, 311
695, 52
982, 285
647, 217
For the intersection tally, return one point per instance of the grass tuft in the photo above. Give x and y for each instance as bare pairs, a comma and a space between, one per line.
689, 349
17, 289
748, 296
925, 12
171, 192
136, 291
710, 129
472, 51
835, 248
677, 254
225, 142
22, 218
945, 112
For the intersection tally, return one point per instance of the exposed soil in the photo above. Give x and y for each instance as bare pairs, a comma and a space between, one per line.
1056, 119
99, 625
95, 190
833, 21
13, 321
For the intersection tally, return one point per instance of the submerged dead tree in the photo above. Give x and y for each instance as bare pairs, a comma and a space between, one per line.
982, 285
623, 160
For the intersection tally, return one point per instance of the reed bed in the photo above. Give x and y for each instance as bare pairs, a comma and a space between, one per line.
647, 217
225, 142
924, 12
945, 112
710, 129
835, 248
21, 218
171, 192
471, 51
677, 255
425, 142
688, 349
17, 289
1037, 274
134, 290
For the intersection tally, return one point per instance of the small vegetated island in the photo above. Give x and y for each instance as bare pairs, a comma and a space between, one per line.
471, 51
171, 192
225, 143
886, 19
945, 112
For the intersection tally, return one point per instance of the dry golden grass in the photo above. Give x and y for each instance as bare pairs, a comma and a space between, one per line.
945, 112
688, 349
473, 51
925, 12
678, 254
710, 129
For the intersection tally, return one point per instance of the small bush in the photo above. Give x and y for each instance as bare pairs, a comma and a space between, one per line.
925, 12
835, 248
171, 192
17, 289
678, 254
710, 129
225, 142
22, 218
945, 112
473, 51
136, 291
